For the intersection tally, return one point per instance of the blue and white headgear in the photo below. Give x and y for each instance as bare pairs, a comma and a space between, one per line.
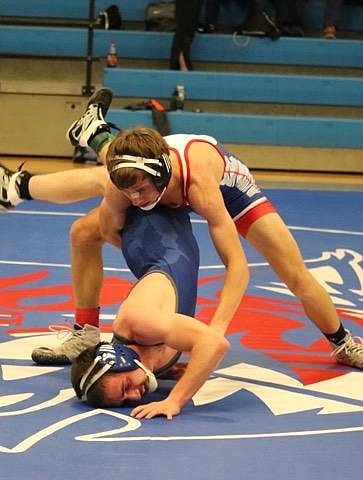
113, 357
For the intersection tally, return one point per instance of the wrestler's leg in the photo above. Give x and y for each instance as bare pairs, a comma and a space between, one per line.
67, 186
102, 152
87, 277
86, 258
91, 129
270, 236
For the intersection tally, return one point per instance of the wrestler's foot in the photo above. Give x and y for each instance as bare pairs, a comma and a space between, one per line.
77, 340
92, 122
9, 187
350, 352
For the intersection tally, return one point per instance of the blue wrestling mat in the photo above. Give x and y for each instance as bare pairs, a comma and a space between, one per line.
277, 407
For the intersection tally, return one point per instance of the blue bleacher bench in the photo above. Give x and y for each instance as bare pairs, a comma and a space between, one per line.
237, 87
255, 129
72, 42
231, 13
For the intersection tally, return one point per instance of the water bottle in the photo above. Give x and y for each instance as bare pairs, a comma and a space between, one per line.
177, 100
112, 56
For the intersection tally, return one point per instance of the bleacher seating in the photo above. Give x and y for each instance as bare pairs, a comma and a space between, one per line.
72, 42
335, 90
255, 129
241, 87
133, 11
237, 87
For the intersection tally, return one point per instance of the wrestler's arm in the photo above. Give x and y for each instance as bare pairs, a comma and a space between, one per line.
206, 347
206, 199
112, 214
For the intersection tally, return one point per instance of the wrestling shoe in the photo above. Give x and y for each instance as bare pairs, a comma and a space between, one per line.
75, 341
92, 122
350, 352
9, 187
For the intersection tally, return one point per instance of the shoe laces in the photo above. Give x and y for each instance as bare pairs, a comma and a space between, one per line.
93, 111
350, 344
64, 332
7, 173
10, 181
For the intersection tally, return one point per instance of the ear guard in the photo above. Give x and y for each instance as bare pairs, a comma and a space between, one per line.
113, 357
158, 168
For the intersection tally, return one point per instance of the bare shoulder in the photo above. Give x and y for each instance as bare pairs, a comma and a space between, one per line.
205, 160
206, 171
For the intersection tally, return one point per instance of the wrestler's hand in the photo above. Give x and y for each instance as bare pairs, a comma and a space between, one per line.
166, 407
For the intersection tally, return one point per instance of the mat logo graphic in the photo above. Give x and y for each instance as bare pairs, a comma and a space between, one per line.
276, 325
292, 376
341, 274
281, 394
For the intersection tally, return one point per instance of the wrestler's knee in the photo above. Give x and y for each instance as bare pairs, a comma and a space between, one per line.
300, 282
85, 231
99, 177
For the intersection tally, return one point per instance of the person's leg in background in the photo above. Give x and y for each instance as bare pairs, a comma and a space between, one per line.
333, 9
212, 8
289, 17
187, 14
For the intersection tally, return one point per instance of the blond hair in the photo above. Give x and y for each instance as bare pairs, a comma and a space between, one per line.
137, 141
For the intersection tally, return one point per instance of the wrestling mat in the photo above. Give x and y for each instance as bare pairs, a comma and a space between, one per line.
277, 407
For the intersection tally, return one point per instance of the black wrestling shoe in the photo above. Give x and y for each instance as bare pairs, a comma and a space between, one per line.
92, 122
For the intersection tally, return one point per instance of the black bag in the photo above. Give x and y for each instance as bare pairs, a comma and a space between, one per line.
160, 17
260, 25
159, 114
111, 19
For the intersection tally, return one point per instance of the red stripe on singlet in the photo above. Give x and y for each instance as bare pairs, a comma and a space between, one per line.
243, 223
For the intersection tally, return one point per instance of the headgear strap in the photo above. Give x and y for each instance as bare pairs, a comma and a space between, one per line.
139, 162
158, 168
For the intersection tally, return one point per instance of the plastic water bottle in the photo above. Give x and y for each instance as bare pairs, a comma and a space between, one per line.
112, 56
177, 100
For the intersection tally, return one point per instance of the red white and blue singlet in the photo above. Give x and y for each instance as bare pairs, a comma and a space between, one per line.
244, 200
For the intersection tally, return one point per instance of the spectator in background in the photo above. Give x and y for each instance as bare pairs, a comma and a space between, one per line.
187, 14
333, 9
257, 21
212, 8
289, 17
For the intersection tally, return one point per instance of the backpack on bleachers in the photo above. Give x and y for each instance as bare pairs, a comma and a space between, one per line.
259, 25
160, 16
111, 19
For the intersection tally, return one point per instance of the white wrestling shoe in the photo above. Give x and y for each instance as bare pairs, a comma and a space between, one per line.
92, 122
350, 352
9, 187
75, 341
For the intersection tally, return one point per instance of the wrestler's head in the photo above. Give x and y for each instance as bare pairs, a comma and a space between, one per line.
139, 165
109, 375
